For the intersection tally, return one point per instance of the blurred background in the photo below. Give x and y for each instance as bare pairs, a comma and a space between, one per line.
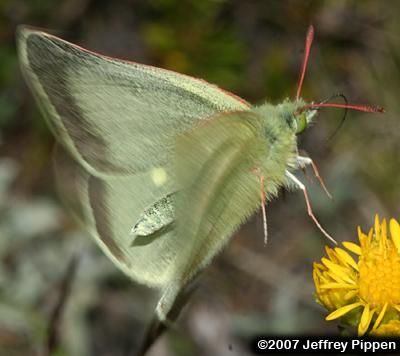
254, 49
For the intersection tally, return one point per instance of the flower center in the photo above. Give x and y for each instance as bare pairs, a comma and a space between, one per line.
379, 279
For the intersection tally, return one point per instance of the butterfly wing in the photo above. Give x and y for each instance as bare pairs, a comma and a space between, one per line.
216, 167
114, 116
107, 208
119, 120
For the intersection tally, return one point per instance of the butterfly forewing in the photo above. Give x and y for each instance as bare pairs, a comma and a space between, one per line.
114, 116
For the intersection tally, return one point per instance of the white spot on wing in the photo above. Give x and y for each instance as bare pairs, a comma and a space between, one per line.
159, 176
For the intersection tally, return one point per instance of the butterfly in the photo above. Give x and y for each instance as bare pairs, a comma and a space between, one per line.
168, 166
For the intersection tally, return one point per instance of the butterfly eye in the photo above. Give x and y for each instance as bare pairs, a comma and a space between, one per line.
301, 122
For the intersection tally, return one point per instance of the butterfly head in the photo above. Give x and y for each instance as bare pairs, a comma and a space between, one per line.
294, 114
302, 119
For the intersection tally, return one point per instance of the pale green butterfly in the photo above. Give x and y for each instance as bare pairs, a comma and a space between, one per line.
171, 165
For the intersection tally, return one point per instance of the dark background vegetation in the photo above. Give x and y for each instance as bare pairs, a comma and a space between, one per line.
254, 49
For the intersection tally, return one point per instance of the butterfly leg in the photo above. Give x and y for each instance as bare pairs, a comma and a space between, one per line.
301, 186
303, 162
263, 209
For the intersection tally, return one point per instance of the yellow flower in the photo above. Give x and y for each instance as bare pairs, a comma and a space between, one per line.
363, 291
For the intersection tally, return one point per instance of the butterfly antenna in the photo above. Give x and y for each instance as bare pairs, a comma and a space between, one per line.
357, 107
307, 49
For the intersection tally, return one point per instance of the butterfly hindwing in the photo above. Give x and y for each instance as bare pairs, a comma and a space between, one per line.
216, 167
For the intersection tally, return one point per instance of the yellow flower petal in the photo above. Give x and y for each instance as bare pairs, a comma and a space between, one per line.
351, 246
338, 270
338, 286
318, 265
384, 231
380, 316
365, 320
361, 237
344, 256
395, 233
331, 254
370, 236
333, 277
316, 280
377, 227
342, 311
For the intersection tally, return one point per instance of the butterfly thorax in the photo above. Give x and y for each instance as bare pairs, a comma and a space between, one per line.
280, 128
